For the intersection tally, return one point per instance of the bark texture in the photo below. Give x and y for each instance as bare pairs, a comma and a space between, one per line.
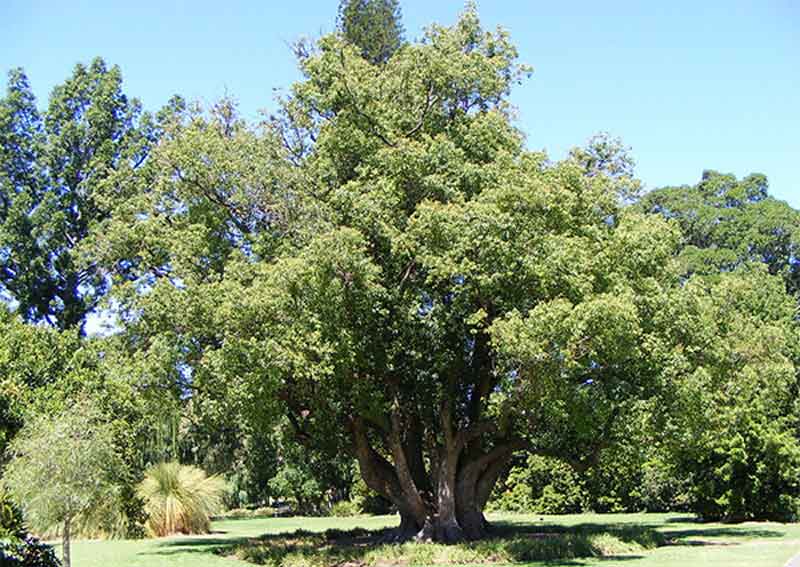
441, 502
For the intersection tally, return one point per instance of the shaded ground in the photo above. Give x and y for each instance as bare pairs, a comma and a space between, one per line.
687, 543
507, 543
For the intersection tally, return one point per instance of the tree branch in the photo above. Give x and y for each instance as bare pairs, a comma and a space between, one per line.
373, 124
430, 100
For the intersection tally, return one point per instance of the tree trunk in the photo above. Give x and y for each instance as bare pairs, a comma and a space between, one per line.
461, 495
446, 525
65, 554
463, 478
408, 529
456, 511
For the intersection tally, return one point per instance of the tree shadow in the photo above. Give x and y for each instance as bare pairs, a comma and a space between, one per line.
623, 528
689, 537
508, 541
559, 545
197, 544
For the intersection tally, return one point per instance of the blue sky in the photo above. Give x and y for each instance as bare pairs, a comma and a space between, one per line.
688, 85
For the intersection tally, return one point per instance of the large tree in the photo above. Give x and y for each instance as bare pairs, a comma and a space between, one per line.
388, 267
54, 184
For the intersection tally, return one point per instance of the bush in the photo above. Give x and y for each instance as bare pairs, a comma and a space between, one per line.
543, 485
345, 508
369, 501
10, 516
247, 513
27, 552
751, 474
180, 499
133, 513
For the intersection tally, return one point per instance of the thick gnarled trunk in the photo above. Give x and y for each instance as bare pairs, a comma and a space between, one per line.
443, 504
457, 513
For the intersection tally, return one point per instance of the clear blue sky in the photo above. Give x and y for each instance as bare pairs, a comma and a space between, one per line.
689, 85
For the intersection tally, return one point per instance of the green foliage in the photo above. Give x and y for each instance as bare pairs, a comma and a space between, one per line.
368, 501
54, 186
383, 249
636, 472
633, 474
10, 516
179, 499
308, 481
727, 222
45, 371
749, 472
374, 26
383, 264
542, 485
608, 157
27, 552
247, 513
301, 490
346, 508
31, 358
732, 420
64, 470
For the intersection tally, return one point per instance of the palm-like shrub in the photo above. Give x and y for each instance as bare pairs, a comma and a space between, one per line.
180, 499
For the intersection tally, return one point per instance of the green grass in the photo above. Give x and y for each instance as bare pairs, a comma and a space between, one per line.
590, 540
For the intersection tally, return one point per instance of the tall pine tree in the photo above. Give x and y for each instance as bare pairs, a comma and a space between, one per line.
374, 26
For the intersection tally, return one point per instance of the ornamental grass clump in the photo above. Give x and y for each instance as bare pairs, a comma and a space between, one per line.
180, 499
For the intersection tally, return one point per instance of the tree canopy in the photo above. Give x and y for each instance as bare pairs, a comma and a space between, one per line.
727, 222
410, 273
54, 186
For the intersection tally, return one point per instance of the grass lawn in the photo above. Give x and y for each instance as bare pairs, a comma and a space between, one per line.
687, 543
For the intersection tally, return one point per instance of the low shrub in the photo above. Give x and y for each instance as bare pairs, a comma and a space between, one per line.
345, 508
27, 552
247, 513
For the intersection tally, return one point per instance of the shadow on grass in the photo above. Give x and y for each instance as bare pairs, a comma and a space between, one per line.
697, 537
672, 536
508, 542
198, 544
